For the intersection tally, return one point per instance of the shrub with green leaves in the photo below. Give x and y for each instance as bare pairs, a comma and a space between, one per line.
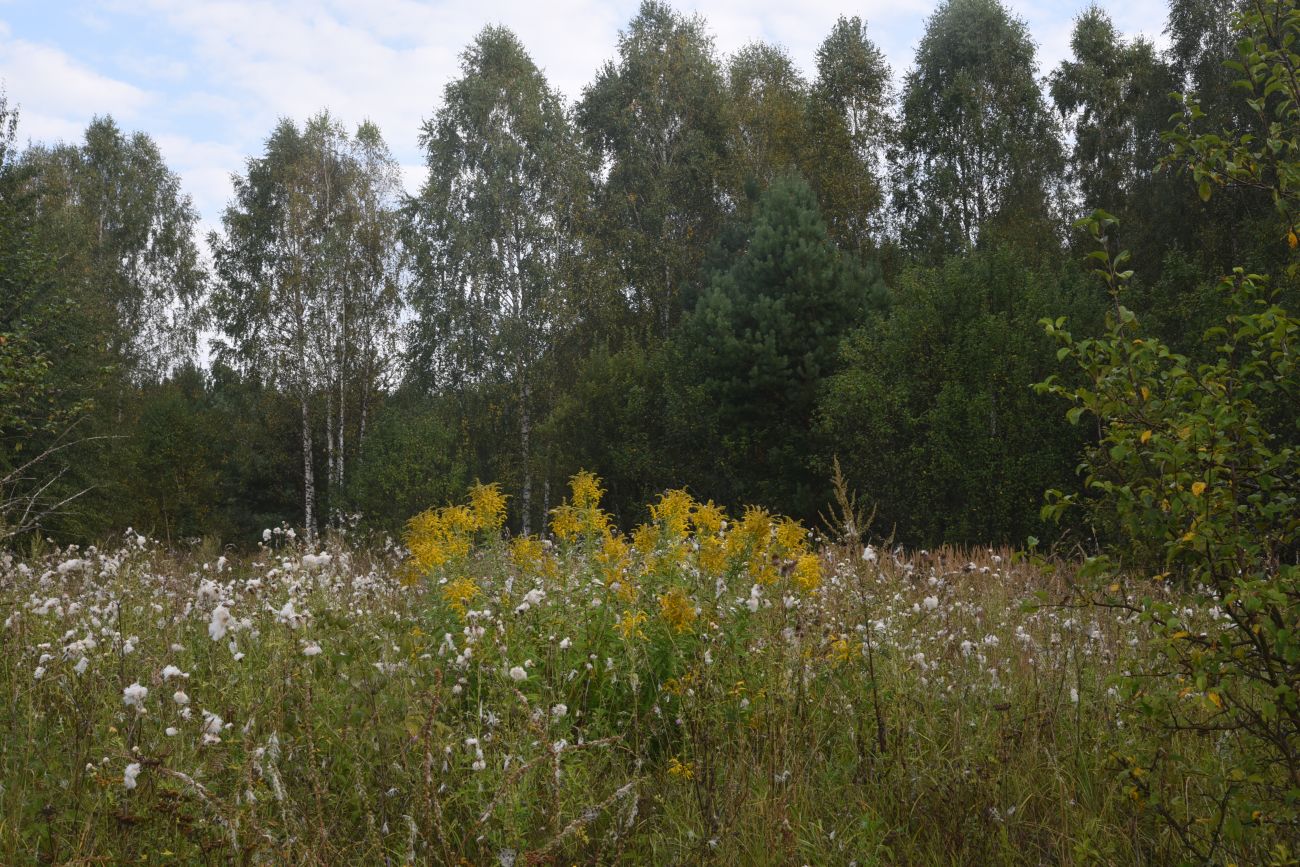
1195, 476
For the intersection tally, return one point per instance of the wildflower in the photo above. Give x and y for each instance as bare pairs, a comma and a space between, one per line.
289, 617
488, 505
790, 536
39, 672
172, 671
808, 572
564, 523
707, 519
211, 728
841, 649
677, 609
171, 731
518, 673
680, 770
565, 643
134, 696
180, 698
311, 648
645, 539
673, 512
559, 711
586, 490
81, 666
930, 603
129, 775
630, 624
459, 593
220, 623
1074, 695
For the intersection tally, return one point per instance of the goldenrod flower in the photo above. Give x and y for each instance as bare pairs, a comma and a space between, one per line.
458, 594
791, 536
679, 769
645, 539
707, 519
673, 513
630, 624
677, 609
564, 523
808, 572
488, 505
586, 490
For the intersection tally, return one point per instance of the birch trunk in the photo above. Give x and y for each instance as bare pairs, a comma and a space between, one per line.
308, 477
525, 433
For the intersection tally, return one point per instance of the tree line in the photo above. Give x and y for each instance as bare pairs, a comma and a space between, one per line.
713, 272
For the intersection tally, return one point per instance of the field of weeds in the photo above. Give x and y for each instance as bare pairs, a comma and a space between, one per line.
706, 690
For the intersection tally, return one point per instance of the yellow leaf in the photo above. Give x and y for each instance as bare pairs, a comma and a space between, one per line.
1114, 588
1180, 634
1188, 536
1198, 488
1215, 700
1146, 393
1291, 239
1146, 437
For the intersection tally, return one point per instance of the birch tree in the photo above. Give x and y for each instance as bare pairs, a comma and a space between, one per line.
490, 231
310, 279
977, 142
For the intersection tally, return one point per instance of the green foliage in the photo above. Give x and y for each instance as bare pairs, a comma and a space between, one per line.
761, 340
411, 458
1196, 474
656, 124
114, 211
1115, 96
977, 145
492, 234
933, 417
1193, 477
621, 415
849, 126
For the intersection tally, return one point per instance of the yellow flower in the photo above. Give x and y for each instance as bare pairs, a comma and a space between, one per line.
756, 526
679, 769
791, 536
677, 609
564, 523
488, 505
630, 624
645, 538
840, 650
458, 594
808, 572
586, 490
673, 513
438, 536
610, 559
529, 555
707, 519
713, 556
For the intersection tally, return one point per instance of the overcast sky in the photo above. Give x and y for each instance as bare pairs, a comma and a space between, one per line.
208, 78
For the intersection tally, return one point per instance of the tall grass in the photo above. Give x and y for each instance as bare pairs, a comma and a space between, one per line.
585, 701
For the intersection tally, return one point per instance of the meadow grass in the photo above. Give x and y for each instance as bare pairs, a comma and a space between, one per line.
700, 692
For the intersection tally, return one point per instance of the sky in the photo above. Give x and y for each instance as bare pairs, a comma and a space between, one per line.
208, 79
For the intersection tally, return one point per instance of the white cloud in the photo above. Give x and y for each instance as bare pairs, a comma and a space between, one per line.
212, 89
58, 95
